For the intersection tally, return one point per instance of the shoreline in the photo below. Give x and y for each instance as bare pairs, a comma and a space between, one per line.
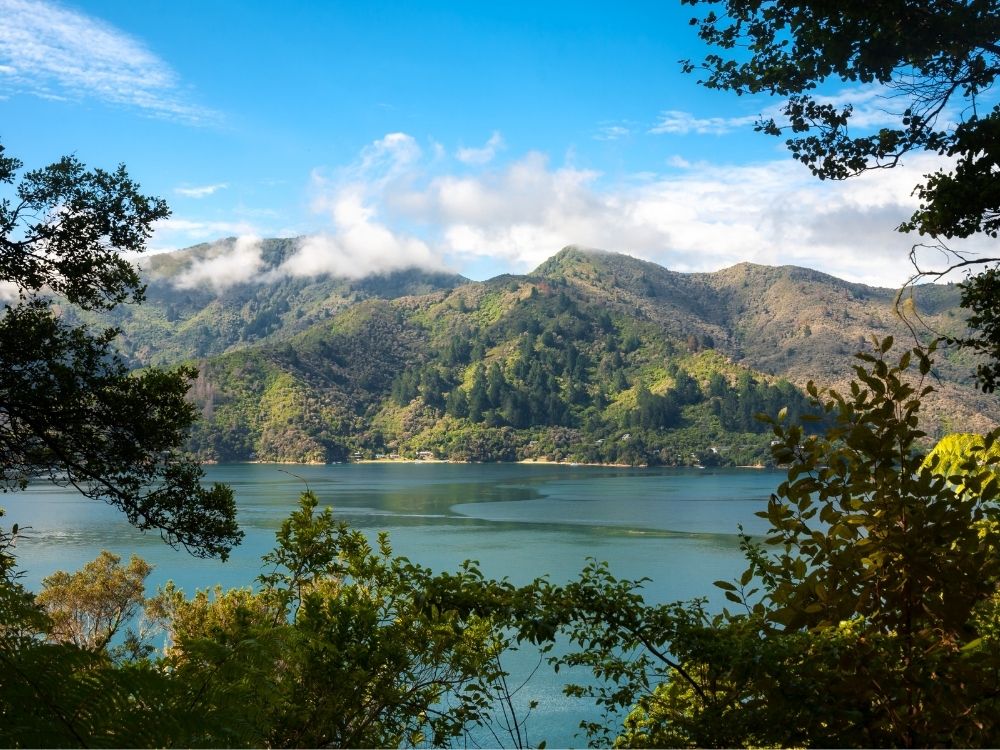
523, 461
402, 461
550, 462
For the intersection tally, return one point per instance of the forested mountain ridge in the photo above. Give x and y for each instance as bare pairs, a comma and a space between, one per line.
792, 322
594, 356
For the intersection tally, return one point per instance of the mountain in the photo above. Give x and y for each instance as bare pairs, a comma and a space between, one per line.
593, 356
185, 316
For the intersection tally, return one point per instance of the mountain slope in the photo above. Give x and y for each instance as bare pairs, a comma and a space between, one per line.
592, 357
790, 322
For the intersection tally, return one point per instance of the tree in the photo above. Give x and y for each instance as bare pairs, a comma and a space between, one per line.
457, 405
88, 608
70, 410
933, 62
478, 398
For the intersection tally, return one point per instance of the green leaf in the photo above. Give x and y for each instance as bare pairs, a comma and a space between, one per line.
973, 645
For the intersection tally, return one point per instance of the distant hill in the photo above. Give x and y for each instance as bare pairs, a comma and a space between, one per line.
594, 356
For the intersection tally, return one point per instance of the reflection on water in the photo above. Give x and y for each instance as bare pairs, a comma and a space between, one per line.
675, 527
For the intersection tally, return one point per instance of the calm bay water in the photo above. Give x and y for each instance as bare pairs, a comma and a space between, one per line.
675, 527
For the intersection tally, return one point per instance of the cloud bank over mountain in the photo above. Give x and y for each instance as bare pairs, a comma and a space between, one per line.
224, 266
400, 204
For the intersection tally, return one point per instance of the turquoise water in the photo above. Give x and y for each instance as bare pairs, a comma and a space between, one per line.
676, 527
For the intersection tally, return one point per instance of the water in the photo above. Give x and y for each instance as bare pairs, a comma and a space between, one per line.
676, 527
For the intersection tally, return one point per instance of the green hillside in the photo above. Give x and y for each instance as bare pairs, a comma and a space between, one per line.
593, 357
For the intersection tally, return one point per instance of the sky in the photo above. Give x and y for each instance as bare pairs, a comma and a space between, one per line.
473, 137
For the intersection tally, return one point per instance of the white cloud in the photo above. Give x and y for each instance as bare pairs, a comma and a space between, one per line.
9, 292
177, 233
394, 208
873, 106
484, 155
611, 132
201, 191
356, 251
224, 265
693, 217
677, 122
53, 52
357, 243
387, 156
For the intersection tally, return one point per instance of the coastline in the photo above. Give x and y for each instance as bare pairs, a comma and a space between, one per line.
550, 462
402, 461
525, 461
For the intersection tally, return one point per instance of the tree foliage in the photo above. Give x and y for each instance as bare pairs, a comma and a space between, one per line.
88, 608
65, 228
937, 62
70, 411
60, 685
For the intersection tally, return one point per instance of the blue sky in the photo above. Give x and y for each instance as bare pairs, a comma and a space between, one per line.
470, 136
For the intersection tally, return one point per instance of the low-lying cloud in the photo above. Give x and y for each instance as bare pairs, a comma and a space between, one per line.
693, 217
224, 266
358, 245
358, 242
